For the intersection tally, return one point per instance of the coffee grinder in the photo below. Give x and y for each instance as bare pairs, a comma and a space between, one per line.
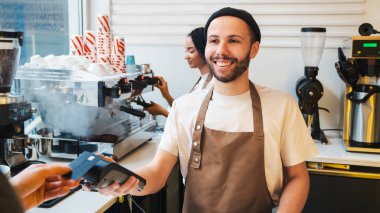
13, 109
308, 89
361, 125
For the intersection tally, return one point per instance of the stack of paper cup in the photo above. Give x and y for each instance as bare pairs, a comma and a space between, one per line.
89, 46
118, 55
103, 39
76, 45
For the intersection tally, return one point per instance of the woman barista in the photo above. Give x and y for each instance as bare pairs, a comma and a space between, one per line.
195, 55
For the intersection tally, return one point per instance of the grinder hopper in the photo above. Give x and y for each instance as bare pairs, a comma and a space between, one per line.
10, 46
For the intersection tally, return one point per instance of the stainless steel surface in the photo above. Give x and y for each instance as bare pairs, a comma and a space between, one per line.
79, 86
366, 119
145, 68
12, 152
130, 143
7, 98
31, 150
347, 120
361, 121
78, 111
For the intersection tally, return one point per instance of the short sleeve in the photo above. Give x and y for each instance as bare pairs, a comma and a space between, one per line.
169, 139
296, 142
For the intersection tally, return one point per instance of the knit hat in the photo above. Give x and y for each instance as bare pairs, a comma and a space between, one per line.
238, 13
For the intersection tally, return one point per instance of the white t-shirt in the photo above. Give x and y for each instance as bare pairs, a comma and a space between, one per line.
201, 82
287, 140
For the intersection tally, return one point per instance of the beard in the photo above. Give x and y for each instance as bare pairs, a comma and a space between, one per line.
240, 68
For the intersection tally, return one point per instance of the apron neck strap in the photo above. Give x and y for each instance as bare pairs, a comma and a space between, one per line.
256, 109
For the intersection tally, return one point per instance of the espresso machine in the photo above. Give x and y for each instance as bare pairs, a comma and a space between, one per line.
360, 73
80, 111
14, 111
308, 89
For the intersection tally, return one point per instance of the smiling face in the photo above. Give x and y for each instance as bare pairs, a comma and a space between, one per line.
229, 48
191, 54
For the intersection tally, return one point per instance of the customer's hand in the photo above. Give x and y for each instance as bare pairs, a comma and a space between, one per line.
157, 109
41, 182
163, 86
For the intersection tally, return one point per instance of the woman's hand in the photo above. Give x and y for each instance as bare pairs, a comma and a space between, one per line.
157, 109
163, 86
41, 182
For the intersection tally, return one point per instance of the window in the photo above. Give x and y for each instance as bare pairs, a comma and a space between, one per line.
47, 24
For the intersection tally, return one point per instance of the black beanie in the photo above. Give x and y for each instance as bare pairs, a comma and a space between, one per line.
238, 13
199, 39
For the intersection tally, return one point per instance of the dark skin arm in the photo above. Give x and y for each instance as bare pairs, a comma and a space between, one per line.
163, 86
157, 109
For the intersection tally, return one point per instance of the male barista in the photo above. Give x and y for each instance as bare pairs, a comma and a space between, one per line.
235, 142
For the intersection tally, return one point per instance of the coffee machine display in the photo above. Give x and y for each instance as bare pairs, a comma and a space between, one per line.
361, 127
13, 109
308, 89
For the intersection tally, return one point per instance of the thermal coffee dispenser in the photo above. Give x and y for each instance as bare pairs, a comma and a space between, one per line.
361, 128
13, 109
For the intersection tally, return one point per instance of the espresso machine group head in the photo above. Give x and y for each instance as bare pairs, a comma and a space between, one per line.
13, 109
308, 89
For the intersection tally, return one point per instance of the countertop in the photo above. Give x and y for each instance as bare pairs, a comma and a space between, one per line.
89, 202
335, 152
82, 201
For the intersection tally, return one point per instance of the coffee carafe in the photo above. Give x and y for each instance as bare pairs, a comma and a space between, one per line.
13, 109
361, 73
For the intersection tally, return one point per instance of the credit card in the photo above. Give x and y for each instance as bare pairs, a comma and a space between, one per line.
82, 164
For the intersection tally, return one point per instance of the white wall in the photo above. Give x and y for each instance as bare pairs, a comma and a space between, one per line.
277, 67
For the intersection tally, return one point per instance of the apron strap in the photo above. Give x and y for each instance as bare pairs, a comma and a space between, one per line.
208, 79
195, 154
256, 107
192, 89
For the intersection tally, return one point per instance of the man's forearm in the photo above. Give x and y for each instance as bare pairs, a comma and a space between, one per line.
295, 193
156, 173
153, 182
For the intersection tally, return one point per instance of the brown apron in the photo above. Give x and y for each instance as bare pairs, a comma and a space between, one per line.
226, 169
208, 79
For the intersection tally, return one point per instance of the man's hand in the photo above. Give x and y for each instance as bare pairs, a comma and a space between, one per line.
116, 189
163, 86
155, 173
157, 109
41, 182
